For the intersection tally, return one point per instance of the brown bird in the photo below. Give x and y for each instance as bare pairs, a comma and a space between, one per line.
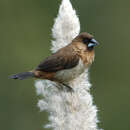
67, 63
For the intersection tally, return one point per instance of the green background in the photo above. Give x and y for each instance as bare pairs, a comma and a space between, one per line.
25, 35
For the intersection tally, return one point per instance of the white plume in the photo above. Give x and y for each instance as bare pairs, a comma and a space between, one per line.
67, 111
66, 27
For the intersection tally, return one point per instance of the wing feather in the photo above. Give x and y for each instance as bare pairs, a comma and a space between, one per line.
64, 59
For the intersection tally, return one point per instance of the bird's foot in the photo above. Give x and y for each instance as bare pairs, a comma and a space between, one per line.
61, 86
69, 89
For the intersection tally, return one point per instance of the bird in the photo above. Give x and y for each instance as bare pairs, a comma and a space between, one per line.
67, 63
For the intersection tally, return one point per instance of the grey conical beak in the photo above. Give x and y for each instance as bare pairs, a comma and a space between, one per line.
93, 43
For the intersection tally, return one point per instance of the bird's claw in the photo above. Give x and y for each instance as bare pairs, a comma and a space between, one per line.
69, 89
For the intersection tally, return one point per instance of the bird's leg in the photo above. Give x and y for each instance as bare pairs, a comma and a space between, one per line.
58, 85
61, 85
70, 89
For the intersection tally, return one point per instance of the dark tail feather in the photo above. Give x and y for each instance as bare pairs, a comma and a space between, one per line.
23, 75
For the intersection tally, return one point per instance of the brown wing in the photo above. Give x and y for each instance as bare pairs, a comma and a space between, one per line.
63, 59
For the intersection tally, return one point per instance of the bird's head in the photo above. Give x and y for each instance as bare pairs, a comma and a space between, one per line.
85, 44
86, 39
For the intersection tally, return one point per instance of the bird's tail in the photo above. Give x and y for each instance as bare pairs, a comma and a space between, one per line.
23, 75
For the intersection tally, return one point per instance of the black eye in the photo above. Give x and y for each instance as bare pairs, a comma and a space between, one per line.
85, 40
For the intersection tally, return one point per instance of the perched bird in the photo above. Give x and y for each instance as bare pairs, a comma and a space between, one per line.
67, 63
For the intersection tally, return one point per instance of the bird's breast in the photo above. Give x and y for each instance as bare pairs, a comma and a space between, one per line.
70, 74
87, 57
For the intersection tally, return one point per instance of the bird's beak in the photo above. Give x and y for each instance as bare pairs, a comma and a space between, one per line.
93, 43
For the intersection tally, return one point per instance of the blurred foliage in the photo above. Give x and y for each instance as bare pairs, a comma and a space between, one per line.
25, 35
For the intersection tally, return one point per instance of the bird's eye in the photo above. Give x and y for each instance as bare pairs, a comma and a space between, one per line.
85, 40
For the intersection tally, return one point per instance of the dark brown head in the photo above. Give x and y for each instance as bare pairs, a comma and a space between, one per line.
86, 39
84, 44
